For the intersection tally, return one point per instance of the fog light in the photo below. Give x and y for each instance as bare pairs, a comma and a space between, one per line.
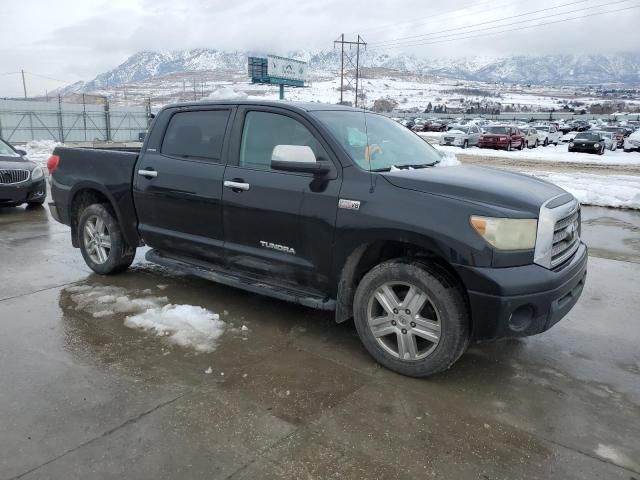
521, 318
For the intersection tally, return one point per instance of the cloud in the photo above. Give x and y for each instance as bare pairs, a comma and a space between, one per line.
77, 39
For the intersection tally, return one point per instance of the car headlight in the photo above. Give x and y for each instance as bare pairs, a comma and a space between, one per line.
597, 146
37, 174
571, 144
507, 233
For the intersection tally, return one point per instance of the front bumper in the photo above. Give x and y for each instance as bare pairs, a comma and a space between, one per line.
16, 194
585, 150
522, 301
494, 145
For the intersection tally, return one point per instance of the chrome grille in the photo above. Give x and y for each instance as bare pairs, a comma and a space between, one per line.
448, 139
566, 238
10, 176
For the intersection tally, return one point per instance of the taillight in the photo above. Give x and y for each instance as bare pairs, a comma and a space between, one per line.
52, 163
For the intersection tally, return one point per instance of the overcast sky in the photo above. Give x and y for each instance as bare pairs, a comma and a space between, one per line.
71, 40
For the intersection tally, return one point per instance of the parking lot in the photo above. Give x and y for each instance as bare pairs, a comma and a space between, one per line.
294, 395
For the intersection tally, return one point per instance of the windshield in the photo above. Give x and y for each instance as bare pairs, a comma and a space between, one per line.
376, 143
459, 128
6, 150
543, 128
588, 136
499, 130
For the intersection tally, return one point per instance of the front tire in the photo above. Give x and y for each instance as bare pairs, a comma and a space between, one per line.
411, 317
465, 145
102, 244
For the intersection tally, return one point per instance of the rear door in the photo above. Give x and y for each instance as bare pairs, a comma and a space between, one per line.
279, 225
178, 183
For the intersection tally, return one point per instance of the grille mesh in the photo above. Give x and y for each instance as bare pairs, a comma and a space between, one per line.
9, 176
566, 238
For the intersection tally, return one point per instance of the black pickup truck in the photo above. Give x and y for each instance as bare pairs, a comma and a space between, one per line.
336, 209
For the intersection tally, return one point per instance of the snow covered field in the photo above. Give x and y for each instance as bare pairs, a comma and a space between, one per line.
552, 154
620, 191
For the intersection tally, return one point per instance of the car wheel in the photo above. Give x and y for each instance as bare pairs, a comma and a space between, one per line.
546, 142
101, 242
509, 147
526, 144
465, 144
412, 317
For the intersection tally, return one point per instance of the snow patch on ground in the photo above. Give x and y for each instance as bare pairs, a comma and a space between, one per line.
620, 191
610, 453
184, 325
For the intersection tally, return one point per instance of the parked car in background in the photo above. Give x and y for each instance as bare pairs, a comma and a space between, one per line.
435, 125
619, 133
419, 125
588, 142
505, 137
530, 135
580, 125
461, 136
568, 137
632, 142
610, 140
21, 180
548, 134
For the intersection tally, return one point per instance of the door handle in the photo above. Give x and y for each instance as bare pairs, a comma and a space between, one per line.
148, 173
237, 186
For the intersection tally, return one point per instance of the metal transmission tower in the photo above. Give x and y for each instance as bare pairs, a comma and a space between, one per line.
351, 60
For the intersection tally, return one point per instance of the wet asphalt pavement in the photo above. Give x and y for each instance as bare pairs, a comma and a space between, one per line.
295, 395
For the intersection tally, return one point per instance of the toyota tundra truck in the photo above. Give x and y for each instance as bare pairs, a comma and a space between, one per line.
337, 209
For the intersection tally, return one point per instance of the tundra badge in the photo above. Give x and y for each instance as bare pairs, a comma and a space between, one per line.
279, 248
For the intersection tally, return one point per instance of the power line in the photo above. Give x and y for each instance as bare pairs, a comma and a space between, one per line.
410, 44
400, 39
438, 15
66, 82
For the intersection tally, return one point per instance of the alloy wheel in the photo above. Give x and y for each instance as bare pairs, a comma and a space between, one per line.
404, 321
97, 240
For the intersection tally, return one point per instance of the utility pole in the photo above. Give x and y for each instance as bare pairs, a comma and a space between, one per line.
348, 58
24, 84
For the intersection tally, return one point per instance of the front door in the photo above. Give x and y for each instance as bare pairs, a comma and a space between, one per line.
278, 225
178, 185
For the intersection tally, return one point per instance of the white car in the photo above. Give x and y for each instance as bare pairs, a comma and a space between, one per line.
461, 136
547, 134
632, 142
610, 142
530, 135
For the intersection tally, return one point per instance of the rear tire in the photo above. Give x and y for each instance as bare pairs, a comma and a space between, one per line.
102, 244
431, 336
509, 147
546, 142
465, 144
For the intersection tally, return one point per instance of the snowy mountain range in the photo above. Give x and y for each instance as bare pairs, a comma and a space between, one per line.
547, 69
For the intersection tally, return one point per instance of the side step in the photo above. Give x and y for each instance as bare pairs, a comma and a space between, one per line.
250, 284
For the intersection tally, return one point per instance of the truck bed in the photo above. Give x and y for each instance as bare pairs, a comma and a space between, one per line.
109, 171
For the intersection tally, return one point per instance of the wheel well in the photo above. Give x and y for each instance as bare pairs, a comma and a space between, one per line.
81, 200
367, 256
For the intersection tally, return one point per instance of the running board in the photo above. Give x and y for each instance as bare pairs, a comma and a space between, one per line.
250, 284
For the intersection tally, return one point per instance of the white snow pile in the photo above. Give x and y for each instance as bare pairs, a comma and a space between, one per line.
448, 159
38, 151
226, 93
620, 191
184, 325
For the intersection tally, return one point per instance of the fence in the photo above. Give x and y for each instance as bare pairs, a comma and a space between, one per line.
512, 116
24, 120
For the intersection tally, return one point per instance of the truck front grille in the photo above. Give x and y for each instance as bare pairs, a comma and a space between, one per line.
10, 176
566, 238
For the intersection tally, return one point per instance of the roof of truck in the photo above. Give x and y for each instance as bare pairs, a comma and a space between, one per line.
304, 106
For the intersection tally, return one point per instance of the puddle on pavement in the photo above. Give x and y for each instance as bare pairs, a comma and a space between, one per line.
612, 233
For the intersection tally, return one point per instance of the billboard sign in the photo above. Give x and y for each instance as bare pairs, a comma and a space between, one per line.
286, 68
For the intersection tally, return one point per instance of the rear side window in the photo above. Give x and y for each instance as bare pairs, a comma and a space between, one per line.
197, 135
263, 131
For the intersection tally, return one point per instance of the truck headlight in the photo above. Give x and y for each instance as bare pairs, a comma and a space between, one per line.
507, 233
37, 174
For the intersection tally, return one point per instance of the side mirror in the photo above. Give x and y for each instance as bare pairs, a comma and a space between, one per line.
21, 152
298, 158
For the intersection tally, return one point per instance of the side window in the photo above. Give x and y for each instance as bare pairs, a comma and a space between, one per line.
263, 131
196, 135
